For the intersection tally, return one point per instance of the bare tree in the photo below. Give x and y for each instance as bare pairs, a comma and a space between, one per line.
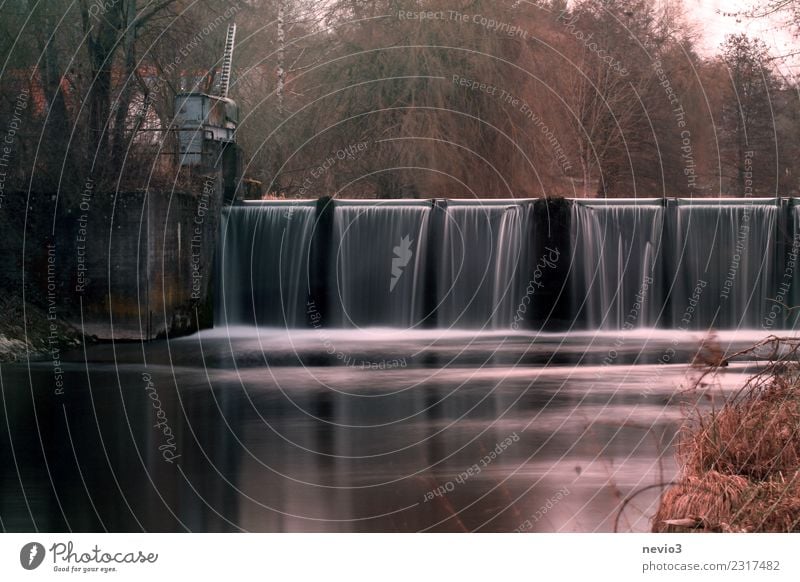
747, 120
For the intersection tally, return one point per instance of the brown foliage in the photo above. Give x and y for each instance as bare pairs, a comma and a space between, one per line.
718, 502
741, 463
585, 98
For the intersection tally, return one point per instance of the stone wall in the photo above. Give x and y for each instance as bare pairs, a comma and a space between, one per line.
127, 266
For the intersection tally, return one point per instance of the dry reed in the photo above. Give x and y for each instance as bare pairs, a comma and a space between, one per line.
740, 464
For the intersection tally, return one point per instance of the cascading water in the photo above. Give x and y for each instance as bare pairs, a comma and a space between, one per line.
616, 251
721, 264
682, 264
379, 254
787, 293
485, 252
263, 265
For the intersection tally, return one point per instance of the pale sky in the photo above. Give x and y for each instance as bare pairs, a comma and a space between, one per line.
713, 28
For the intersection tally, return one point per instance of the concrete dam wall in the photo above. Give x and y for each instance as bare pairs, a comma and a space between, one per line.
135, 266
554, 264
127, 266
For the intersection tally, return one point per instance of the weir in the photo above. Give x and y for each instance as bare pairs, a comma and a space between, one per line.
378, 276
483, 261
263, 266
617, 248
511, 264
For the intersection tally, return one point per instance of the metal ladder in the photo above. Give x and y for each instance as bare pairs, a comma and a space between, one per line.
227, 59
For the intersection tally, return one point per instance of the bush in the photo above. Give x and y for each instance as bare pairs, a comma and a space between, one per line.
740, 465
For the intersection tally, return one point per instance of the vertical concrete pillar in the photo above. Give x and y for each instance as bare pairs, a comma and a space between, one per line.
551, 308
321, 261
433, 262
670, 264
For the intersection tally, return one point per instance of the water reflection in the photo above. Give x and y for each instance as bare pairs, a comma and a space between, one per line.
265, 441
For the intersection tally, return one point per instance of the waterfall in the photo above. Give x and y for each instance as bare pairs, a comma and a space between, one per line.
788, 291
616, 262
263, 264
723, 254
379, 254
677, 264
484, 256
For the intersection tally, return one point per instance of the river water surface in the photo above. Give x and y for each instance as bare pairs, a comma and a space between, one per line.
371, 430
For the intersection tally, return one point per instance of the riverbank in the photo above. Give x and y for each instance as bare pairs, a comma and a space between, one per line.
27, 332
740, 463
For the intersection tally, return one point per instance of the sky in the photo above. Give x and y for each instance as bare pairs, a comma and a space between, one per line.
713, 27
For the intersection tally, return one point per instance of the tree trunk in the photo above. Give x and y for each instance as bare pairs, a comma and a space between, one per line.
281, 56
58, 125
101, 50
120, 141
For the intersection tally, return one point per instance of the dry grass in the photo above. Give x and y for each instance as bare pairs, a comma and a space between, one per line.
756, 436
741, 463
730, 503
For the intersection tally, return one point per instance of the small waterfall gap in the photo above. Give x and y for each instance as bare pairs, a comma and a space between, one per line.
484, 254
378, 278
263, 265
721, 256
616, 263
